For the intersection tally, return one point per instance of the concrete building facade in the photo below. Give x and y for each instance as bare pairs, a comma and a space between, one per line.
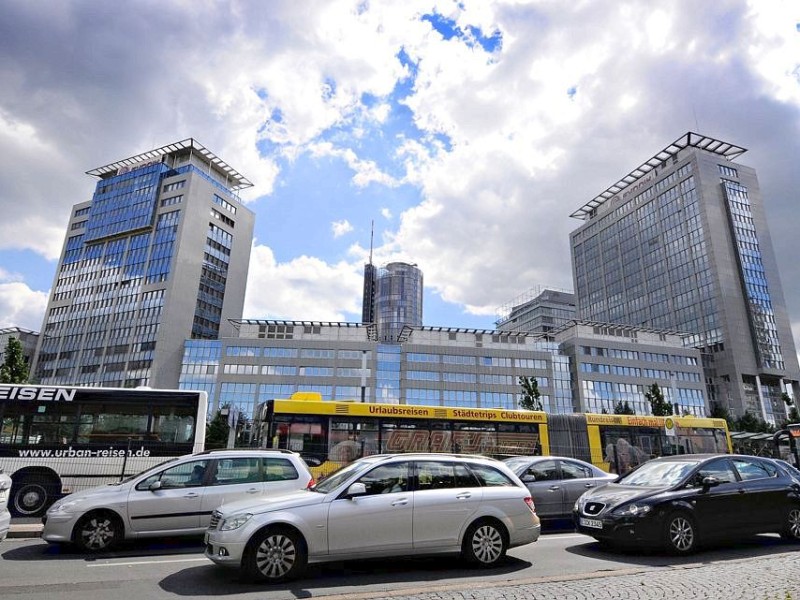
682, 243
159, 255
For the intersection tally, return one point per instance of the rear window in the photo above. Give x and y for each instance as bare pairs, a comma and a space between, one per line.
490, 477
279, 469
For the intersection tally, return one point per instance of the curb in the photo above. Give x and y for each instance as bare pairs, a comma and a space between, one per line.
25, 531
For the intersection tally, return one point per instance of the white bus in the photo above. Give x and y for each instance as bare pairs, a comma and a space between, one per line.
55, 440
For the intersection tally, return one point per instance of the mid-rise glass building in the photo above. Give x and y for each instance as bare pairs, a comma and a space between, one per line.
681, 243
539, 310
159, 255
433, 366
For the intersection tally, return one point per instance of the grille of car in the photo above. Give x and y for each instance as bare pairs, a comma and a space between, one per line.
215, 519
594, 508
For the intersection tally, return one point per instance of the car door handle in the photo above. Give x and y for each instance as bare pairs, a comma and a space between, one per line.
742, 490
464, 496
400, 502
553, 488
589, 485
191, 495
253, 491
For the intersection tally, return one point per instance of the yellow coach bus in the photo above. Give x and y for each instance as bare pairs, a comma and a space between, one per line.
329, 434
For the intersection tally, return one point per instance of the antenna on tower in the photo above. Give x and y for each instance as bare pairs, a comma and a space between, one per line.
371, 238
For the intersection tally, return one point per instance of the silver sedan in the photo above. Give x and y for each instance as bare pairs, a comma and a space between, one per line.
556, 482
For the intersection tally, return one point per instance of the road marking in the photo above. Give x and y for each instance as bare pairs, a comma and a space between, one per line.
148, 562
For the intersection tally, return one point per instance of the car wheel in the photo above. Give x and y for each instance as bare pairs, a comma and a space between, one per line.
275, 554
484, 544
32, 495
791, 530
680, 533
98, 531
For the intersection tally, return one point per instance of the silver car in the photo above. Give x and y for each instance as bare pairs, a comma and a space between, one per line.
174, 498
5, 516
379, 506
556, 482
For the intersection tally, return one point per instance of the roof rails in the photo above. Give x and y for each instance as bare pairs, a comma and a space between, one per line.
276, 450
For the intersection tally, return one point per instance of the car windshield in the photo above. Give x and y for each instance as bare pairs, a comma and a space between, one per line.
336, 478
516, 463
658, 473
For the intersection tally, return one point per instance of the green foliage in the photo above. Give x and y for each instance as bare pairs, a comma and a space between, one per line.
530, 399
14, 369
749, 422
658, 405
623, 408
217, 431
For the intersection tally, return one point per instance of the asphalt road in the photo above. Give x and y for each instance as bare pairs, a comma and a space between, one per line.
558, 566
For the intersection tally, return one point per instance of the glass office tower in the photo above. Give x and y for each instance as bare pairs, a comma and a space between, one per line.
681, 243
159, 255
392, 299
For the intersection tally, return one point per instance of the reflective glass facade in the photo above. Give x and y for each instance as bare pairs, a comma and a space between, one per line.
144, 267
398, 300
345, 361
682, 244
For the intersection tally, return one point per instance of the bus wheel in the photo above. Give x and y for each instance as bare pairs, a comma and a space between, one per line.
97, 531
32, 495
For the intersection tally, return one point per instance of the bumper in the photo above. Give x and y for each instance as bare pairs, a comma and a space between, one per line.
58, 528
525, 535
223, 550
627, 530
5, 523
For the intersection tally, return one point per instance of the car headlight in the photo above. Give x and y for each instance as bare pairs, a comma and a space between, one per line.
632, 510
578, 505
65, 505
235, 522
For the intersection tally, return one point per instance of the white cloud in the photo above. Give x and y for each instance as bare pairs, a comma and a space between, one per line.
386, 214
341, 228
304, 288
21, 306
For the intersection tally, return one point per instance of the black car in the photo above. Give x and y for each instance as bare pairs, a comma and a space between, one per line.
679, 501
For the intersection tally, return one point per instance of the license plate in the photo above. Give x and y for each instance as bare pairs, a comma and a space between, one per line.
593, 523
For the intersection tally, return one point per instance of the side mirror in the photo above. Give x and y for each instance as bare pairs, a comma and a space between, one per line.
710, 481
357, 489
156, 485
528, 478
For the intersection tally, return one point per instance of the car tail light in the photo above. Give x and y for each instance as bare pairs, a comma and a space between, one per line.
311, 483
529, 502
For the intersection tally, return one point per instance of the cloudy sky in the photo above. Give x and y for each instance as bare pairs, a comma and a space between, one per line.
466, 131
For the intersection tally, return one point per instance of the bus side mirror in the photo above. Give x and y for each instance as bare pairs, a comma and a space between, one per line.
357, 489
156, 485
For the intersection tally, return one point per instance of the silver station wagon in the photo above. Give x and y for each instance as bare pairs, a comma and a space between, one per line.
172, 499
379, 506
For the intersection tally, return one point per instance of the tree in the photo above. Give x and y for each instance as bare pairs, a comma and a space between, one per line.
623, 408
14, 369
658, 406
530, 393
217, 431
749, 422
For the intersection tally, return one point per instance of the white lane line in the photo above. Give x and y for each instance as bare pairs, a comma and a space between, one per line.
148, 562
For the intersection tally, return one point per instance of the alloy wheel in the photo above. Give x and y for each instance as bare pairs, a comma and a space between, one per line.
276, 556
681, 534
487, 544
